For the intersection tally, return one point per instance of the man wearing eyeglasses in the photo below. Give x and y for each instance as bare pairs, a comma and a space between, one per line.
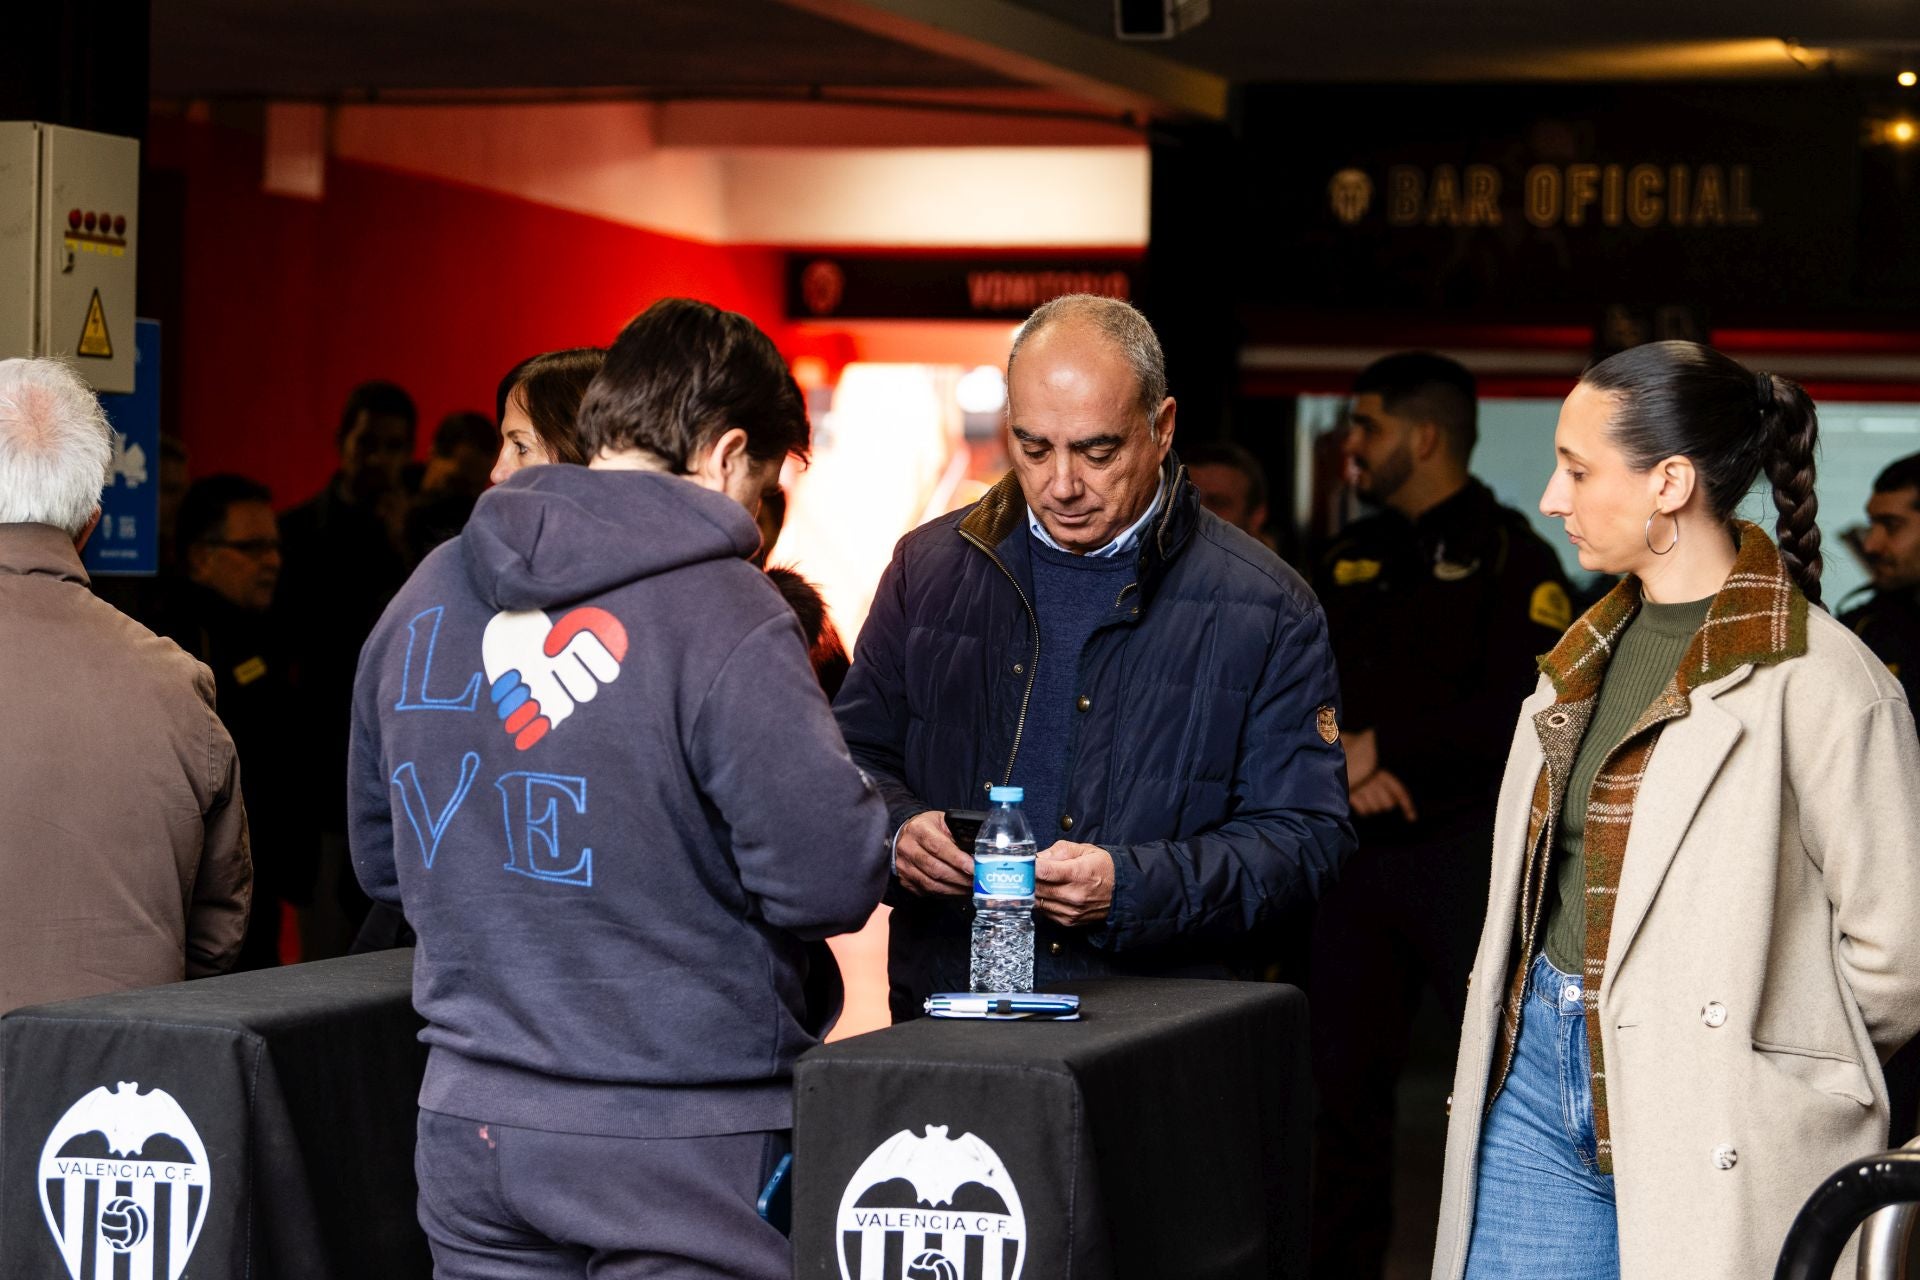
229, 556
233, 548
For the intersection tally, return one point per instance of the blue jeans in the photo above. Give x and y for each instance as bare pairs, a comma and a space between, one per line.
1541, 1208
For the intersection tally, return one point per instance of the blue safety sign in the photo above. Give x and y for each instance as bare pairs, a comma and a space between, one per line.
127, 539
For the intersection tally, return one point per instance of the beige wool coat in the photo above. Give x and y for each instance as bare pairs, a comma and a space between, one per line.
1764, 959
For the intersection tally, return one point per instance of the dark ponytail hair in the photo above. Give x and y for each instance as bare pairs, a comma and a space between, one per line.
1685, 399
551, 386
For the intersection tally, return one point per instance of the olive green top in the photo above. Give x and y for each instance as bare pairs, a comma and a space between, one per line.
1648, 654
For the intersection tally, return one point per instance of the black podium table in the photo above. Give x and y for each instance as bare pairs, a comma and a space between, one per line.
1164, 1136
256, 1125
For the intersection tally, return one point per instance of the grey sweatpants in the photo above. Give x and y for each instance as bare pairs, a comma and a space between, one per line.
500, 1203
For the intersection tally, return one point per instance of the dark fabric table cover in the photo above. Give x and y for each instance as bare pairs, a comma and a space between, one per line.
298, 1087
1165, 1135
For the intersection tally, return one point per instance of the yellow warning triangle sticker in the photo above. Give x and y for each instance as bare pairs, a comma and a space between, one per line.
93, 339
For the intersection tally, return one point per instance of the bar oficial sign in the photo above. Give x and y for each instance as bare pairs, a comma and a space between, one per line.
1643, 195
1552, 200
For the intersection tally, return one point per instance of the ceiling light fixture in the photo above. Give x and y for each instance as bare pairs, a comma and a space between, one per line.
1908, 79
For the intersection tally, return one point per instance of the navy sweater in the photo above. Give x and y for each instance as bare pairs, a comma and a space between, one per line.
592, 765
1073, 595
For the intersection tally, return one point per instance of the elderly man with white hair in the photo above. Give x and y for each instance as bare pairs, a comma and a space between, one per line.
123, 841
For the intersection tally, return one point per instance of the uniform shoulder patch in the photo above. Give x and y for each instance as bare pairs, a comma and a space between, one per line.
1329, 725
1550, 606
1347, 572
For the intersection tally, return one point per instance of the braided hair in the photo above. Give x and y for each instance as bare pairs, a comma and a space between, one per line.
1685, 399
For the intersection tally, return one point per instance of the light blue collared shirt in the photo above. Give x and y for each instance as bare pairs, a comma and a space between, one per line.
1129, 537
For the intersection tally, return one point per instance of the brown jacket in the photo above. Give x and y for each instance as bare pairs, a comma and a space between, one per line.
123, 841
1764, 954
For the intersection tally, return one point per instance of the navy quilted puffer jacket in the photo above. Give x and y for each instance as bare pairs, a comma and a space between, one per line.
1203, 764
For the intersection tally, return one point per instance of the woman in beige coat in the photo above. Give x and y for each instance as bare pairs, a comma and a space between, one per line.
1703, 932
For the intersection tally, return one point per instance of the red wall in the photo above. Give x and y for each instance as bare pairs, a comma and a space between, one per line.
285, 304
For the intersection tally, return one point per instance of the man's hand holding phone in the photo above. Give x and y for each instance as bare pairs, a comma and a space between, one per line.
929, 861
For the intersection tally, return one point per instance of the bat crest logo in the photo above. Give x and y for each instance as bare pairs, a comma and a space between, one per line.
931, 1208
124, 1185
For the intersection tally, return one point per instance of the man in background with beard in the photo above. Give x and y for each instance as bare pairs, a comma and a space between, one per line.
1436, 606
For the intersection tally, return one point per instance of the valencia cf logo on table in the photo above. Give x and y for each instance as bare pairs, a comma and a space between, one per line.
124, 1185
931, 1208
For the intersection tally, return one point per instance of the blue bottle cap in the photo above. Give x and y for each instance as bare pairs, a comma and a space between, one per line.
1005, 795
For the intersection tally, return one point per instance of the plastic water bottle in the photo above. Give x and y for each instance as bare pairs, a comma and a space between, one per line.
1003, 897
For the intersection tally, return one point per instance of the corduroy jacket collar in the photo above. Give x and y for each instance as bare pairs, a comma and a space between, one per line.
1758, 616
40, 549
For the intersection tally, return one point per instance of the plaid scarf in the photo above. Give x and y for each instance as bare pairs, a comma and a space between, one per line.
1758, 617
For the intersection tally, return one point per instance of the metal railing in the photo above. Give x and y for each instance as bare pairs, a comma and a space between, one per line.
1887, 1241
1886, 1186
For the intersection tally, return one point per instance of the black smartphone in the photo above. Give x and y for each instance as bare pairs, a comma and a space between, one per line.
964, 826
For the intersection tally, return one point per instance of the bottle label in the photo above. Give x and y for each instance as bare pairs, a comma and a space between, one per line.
1003, 877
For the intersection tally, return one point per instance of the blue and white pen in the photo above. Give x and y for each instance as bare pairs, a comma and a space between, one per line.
996, 1004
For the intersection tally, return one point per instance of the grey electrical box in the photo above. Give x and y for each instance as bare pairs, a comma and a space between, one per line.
69, 227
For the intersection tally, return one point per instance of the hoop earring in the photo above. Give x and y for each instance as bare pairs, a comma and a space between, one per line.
1648, 534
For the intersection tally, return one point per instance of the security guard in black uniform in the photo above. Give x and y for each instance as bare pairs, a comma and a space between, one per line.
1437, 607
1889, 624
